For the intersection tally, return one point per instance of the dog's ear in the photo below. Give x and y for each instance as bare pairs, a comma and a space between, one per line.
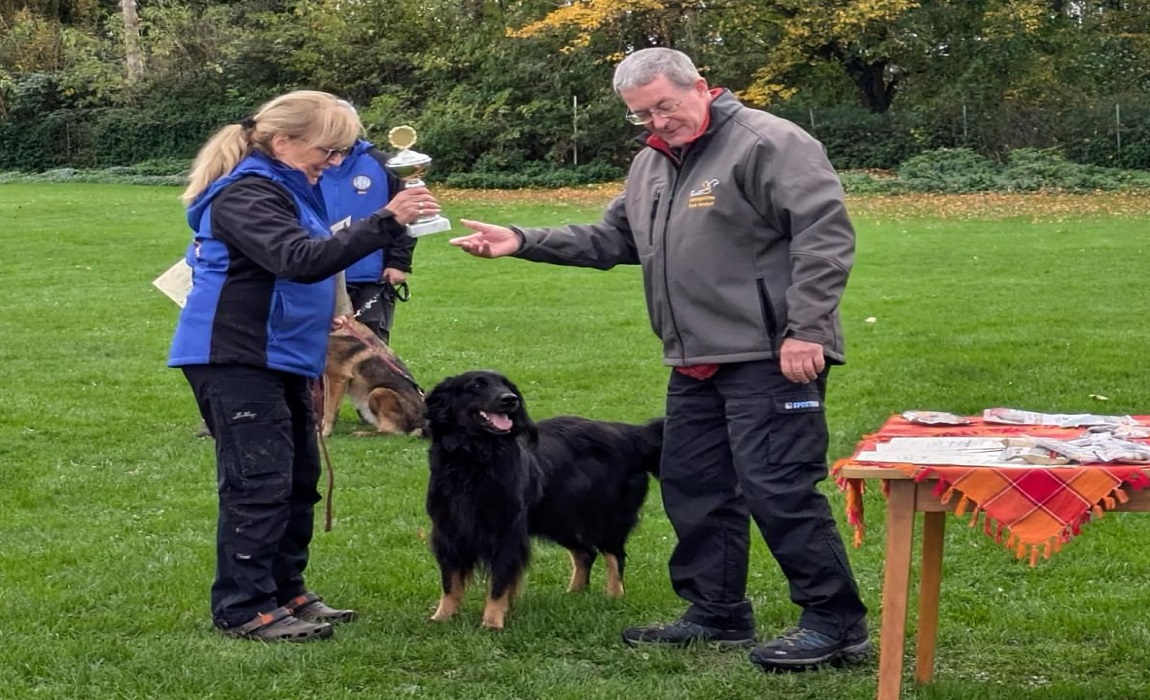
438, 406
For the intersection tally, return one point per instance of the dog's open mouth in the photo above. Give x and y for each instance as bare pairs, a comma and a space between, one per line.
497, 422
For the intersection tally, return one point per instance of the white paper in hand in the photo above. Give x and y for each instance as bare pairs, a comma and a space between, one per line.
176, 282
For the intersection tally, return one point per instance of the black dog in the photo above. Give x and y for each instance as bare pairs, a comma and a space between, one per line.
497, 479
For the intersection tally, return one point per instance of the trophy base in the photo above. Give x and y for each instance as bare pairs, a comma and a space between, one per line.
434, 224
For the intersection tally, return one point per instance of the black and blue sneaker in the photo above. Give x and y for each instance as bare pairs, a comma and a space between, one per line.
681, 633
800, 649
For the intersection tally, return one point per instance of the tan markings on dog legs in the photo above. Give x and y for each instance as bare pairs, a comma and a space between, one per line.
334, 387
580, 574
450, 600
496, 608
412, 407
384, 405
614, 579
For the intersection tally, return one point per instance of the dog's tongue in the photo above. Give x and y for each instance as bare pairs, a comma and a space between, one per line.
499, 421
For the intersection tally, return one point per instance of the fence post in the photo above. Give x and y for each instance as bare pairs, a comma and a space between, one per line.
811, 112
575, 129
965, 138
1118, 130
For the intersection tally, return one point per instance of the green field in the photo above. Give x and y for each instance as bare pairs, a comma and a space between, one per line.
107, 502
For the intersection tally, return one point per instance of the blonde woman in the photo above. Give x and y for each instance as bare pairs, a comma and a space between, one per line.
251, 340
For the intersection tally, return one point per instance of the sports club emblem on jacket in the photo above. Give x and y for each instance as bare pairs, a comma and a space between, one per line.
361, 183
703, 195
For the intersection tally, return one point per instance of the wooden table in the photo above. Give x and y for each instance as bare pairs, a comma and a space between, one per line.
905, 500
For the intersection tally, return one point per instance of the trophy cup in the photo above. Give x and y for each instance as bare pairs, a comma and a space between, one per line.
410, 166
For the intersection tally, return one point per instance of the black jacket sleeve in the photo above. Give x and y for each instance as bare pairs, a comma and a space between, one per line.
399, 251
259, 218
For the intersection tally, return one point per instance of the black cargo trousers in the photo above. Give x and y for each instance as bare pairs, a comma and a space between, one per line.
267, 470
749, 441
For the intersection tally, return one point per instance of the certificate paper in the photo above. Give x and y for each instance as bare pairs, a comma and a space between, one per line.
176, 282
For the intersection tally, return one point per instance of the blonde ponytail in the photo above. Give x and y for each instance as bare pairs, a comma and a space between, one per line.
319, 118
223, 151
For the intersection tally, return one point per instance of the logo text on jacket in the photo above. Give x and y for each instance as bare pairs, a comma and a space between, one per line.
703, 195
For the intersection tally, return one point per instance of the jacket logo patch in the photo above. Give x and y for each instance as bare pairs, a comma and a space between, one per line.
361, 183
703, 195
244, 416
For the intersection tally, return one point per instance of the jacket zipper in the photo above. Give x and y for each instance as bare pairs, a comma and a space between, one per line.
666, 274
677, 164
654, 213
769, 318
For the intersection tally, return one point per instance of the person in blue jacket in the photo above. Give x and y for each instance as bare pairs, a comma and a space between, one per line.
252, 338
352, 190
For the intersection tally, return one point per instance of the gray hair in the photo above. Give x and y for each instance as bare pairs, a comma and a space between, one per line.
645, 65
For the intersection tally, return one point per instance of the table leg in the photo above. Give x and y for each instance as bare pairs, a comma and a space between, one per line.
928, 594
896, 586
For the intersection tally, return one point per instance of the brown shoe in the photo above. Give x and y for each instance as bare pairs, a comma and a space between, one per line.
310, 607
279, 626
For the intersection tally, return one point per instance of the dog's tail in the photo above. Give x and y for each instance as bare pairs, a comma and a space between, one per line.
651, 434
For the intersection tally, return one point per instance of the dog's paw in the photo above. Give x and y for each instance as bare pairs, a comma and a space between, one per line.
367, 433
445, 610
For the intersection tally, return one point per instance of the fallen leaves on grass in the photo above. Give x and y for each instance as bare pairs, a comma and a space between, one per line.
997, 206
585, 195
991, 206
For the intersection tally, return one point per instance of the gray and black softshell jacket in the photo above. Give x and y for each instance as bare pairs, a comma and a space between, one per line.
744, 241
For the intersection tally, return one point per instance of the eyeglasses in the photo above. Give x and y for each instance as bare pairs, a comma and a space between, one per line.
646, 116
333, 152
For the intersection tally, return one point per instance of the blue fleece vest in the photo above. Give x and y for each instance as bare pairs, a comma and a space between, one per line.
353, 190
286, 326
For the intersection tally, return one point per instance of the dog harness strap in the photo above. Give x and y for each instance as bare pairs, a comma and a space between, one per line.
376, 344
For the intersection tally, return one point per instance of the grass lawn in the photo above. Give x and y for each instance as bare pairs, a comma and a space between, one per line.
107, 502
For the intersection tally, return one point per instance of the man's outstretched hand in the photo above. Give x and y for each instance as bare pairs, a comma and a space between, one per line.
488, 241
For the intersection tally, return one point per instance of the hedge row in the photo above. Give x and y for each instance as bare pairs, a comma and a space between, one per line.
1103, 135
959, 170
854, 139
102, 137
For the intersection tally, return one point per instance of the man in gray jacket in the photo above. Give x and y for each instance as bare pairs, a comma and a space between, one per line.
737, 219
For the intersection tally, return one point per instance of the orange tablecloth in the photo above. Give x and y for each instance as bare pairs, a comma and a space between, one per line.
1032, 510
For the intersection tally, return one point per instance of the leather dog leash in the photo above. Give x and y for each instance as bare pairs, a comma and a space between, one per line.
317, 400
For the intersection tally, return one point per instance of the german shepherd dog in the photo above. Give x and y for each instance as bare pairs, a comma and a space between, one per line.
382, 388
497, 479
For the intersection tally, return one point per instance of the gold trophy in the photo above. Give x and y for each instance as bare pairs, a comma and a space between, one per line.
410, 166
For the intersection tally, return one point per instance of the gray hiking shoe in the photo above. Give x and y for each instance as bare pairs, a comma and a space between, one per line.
278, 626
800, 649
683, 633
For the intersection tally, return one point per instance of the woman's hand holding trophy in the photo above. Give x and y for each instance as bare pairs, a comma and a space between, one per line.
415, 206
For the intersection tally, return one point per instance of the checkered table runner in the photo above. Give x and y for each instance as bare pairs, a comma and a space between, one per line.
1031, 510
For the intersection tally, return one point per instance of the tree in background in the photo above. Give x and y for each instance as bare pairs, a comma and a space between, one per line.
507, 86
133, 57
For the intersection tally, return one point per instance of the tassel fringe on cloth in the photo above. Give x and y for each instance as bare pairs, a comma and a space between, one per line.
1030, 511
